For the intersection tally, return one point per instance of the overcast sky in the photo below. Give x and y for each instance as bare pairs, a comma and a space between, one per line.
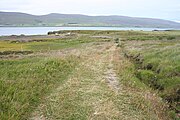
164, 9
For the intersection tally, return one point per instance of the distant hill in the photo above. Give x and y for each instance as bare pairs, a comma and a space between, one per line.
54, 19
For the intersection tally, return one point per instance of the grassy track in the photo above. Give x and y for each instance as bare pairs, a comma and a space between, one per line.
92, 92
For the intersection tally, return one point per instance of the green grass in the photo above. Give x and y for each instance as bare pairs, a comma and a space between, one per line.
87, 94
25, 82
47, 44
7, 46
160, 67
153, 37
142, 98
58, 44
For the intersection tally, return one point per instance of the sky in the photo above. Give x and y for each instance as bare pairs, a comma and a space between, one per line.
163, 9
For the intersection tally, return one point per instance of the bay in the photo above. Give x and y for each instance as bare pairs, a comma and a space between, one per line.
6, 31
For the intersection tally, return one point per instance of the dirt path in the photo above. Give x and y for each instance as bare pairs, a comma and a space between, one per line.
92, 92
111, 76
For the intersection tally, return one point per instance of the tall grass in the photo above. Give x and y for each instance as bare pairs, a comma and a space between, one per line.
157, 63
24, 83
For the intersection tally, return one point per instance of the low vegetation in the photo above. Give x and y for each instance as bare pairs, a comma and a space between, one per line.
157, 65
91, 75
24, 82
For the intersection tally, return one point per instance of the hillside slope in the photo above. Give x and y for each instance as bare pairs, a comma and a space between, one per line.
54, 19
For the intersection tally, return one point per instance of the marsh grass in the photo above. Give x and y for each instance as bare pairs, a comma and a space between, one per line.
47, 44
7, 46
75, 87
158, 64
25, 82
141, 97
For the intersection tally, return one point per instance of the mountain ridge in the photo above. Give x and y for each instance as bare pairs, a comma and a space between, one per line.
57, 19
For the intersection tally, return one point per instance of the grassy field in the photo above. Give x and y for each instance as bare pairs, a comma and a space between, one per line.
91, 75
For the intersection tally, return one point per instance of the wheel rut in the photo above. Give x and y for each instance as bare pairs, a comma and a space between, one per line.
110, 74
